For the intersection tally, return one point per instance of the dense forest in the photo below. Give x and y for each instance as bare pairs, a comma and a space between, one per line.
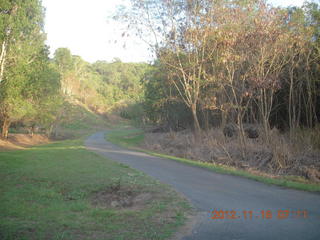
232, 61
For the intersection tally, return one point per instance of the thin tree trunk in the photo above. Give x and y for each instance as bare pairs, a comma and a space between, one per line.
205, 119
224, 116
196, 124
5, 128
242, 137
3, 58
5, 46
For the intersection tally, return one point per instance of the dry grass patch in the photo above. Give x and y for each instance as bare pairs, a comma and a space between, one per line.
122, 198
280, 158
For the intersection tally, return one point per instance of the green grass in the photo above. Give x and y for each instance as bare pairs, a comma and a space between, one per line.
126, 136
46, 192
78, 121
131, 138
76, 125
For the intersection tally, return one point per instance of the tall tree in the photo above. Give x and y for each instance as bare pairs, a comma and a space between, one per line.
22, 52
182, 41
18, 21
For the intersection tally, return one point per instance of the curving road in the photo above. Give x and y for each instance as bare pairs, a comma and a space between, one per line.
210, 191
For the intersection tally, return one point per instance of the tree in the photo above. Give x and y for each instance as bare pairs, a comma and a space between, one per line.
24, 61
267, 44
183, 42
64, 62
18, 20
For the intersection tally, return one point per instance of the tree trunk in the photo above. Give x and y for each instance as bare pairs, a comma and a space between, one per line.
242, 137
32, 130
3, 58
224, 116
196, 124
5, 128
205, 115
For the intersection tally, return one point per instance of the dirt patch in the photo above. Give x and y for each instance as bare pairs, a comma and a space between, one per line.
22, 141
121, 198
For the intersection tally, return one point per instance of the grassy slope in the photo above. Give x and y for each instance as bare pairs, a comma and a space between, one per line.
46, 192
127, 137
77, 121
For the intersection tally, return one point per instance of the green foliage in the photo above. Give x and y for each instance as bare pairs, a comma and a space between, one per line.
20, 19
63, 60
101, 85
162, 102
126, 77
30, 91
29, 85
133, 111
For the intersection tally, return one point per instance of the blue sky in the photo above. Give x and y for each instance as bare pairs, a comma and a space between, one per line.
82, 26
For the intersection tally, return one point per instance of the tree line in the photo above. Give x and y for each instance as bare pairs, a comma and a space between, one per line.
100, 85
230, 61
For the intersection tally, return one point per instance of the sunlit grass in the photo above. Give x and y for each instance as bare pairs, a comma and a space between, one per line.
126, 137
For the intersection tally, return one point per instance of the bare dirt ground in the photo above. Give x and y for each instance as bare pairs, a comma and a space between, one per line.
121, 198
22, 141
278, 159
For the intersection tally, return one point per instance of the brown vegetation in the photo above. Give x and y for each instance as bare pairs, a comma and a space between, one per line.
280, 157
21, 141
121, 198
225, 66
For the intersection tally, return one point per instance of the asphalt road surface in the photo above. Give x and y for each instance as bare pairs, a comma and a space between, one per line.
262, 211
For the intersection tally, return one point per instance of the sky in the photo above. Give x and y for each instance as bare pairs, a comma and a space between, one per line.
83, 27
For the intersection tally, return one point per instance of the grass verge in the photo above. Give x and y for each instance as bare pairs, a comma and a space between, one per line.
46, 192
131, 138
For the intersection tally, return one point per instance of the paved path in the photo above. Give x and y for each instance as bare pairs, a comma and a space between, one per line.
208, 190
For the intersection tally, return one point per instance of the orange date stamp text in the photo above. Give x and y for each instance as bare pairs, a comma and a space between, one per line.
280, 214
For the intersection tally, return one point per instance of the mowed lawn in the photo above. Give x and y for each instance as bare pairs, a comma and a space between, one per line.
57, 191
